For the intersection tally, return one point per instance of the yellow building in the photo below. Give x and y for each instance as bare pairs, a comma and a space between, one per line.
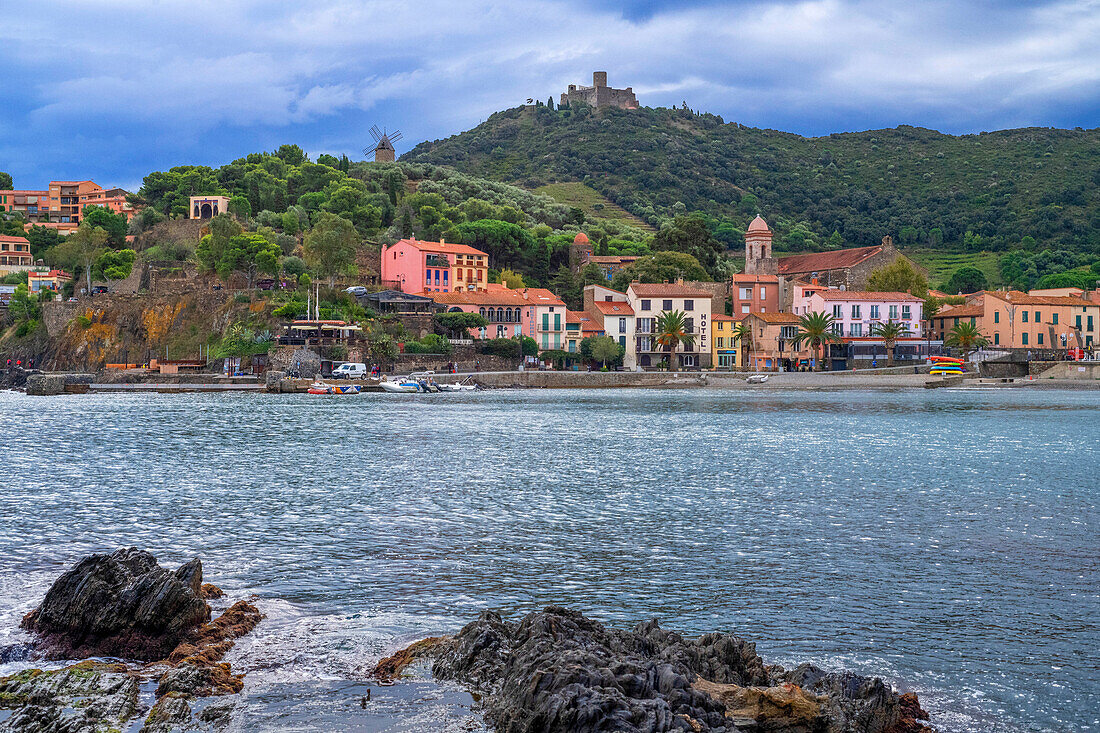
725, 351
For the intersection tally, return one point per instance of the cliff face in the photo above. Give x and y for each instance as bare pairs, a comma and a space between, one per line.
121, 328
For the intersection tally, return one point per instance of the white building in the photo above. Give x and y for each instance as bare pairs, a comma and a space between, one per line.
649, 301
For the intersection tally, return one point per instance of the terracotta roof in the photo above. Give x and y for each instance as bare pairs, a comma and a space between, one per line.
443, 247
581, 238
1018, 297
479, 297
16, 240
961, 311
613, 308
613, 259
667, 290
590, 324
722, 318
757, 225
744, 278
540, 296
823, 261
597, 286
574, 316
776, 317
867, 295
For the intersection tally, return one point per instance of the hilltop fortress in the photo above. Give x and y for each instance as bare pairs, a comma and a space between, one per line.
599, 94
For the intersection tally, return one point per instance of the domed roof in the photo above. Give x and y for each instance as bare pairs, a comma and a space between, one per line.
757, 225
581, 238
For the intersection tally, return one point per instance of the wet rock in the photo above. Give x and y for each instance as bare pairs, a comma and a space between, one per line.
210, 642
169, 715
123, 605
195, 680
86, 697
557, 671
391, 667
211, 591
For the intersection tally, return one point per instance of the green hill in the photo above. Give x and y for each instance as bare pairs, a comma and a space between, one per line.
971, 193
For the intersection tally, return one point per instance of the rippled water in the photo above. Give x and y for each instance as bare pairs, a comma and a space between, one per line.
945, 540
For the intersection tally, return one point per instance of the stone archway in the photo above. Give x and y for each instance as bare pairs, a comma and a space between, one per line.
197, 215
206, 212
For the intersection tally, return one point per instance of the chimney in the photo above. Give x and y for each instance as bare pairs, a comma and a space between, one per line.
813, 281
679, 281
442, 240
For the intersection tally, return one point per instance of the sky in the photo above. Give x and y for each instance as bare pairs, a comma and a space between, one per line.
113, 89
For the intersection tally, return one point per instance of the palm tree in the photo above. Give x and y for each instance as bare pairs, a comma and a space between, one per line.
742, 334
815, 330
672, 332
966, 336
890, 332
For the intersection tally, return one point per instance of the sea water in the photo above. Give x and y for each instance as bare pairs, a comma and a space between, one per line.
944, 540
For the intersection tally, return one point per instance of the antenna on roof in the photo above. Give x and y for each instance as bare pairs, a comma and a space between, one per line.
384, 151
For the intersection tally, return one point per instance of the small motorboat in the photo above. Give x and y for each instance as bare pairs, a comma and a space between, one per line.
406, 386
757, 379
335, 389
457, 387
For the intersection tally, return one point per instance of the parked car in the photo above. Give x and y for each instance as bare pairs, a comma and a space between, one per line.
356, 290
265, 284
350, 370
99, 289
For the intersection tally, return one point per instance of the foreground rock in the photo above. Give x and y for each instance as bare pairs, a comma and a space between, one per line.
557, 671
119, 605
127, 604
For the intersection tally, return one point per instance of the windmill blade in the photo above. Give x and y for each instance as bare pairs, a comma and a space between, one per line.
376, 133
395, 136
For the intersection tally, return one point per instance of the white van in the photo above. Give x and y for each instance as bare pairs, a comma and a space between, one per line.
350, 370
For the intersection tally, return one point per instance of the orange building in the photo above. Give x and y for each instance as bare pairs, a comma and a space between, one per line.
1018, 320
415, 266
62, 204
15, 255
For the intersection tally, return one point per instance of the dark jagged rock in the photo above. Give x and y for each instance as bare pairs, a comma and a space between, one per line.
391, 667
122, 605
84, 698
557, 671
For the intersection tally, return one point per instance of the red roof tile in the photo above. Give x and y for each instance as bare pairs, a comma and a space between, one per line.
444, 247
769, 317
613, 308
823, 261
961, 311
867, 295
16, 240
667, 290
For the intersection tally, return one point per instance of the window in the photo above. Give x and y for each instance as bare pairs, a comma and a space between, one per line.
856, 329
622, 325
428, 276
545, 340
645, 305
645, 343
746, 293
666, 305
545, 321
689, 305
1024, 336
1054, 318
874, 313
1023, 316
1039, 338
855, 311
721, 343
996, 316
836, 311
557, 321
763, 292
838, 329
446, 276
480, 275
572, 347
906, 313
745, 308
893, 312
622, 341
1078, 323
996, 339
1090, 324
689, 325
1038, 318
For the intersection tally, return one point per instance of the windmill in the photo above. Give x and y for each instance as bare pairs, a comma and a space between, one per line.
383, 150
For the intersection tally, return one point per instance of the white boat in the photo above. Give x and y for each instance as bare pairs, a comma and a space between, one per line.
406, 386
757, 379
457, 387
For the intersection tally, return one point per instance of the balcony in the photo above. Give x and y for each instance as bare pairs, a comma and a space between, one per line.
436, 261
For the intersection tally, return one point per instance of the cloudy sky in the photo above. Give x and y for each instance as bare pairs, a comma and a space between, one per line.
112, 89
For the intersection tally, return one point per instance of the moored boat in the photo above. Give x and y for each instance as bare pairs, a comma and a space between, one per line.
333, 389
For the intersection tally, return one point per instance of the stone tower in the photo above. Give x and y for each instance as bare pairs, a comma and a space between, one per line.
758, 249
581, 251
384, 152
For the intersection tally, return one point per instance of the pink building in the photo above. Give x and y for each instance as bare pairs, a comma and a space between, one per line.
414, 266
856, 312
534, 312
